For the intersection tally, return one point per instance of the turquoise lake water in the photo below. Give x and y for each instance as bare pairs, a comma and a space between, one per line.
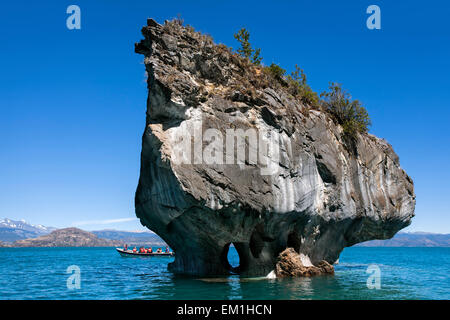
40, 273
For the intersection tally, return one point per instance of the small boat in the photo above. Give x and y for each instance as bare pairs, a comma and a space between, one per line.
129, 253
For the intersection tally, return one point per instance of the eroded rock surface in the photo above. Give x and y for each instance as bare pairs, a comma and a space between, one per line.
318, 197
291, 264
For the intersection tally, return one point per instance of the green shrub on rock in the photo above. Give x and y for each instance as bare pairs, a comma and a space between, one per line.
276, 72
299, 88
350, 114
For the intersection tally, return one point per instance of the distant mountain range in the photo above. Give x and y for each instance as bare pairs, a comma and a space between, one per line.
413, 239
11, 230
68, 237
131, 238
21, 233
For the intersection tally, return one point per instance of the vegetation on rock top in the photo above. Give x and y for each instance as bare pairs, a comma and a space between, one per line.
348, 113
337, 102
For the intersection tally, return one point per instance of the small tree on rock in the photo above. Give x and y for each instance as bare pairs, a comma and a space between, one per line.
246, 50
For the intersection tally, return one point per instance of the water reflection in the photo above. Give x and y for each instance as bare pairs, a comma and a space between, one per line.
264, 288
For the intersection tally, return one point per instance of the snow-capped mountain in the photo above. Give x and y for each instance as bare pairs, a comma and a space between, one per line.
12, 230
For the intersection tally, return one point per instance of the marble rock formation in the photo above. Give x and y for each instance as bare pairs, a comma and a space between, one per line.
299, 184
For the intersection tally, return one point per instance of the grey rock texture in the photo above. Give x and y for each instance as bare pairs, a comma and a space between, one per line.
319, 197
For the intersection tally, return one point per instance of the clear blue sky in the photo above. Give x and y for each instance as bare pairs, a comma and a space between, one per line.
72, 102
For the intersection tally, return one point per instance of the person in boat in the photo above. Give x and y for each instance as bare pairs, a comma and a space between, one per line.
134, 250
167, 249
159, 250
125, 247
149, 250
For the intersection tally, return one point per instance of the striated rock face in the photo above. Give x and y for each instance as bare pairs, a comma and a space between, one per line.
297, 184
